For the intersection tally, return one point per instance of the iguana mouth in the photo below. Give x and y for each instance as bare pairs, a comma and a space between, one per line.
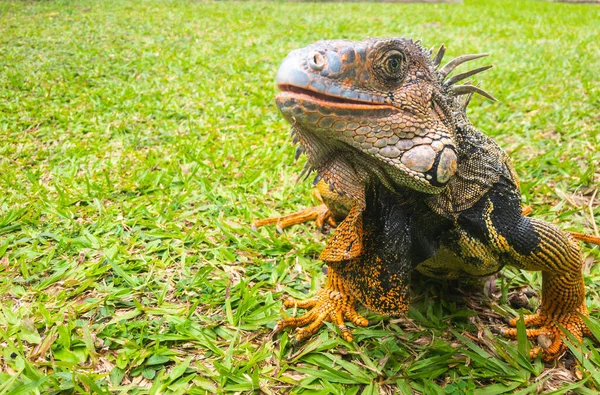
291, 91
334, 161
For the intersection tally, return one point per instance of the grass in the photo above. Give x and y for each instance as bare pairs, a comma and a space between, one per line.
140, 139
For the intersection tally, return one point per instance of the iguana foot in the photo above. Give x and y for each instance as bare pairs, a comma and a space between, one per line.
320, 214
549, 336
334, 303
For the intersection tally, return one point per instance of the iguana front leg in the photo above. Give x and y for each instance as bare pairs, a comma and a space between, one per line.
494, 233
336, 301
558, 256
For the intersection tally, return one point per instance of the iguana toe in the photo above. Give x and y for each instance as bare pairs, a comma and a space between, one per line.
549, 335
332, 304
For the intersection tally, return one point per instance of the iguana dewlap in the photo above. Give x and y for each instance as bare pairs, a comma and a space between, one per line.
417, 186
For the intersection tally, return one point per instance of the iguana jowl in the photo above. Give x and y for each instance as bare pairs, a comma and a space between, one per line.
415, 186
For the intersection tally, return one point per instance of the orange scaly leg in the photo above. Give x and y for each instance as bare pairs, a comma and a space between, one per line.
587, 238
563, 292
320, 214
332, 206
333, 209
526, 210
334, 303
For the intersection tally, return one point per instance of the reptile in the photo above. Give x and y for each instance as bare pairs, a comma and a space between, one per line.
413, 186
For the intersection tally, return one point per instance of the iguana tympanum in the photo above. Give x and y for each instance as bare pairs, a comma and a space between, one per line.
414, 186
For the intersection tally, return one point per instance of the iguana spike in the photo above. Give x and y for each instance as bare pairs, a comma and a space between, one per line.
459, 77
439, 56
305, 172
451, 65
299, 151
467, 99
464, 89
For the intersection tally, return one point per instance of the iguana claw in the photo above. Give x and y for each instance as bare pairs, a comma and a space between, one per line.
332, 304
549, 336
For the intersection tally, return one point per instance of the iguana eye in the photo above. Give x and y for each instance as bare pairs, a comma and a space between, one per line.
390, 66
393, 64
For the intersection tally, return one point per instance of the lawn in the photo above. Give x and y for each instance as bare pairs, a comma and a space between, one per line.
139, 140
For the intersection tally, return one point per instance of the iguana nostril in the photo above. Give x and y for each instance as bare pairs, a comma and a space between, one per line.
316, 61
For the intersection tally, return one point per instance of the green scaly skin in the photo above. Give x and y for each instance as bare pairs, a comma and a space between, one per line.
419, 187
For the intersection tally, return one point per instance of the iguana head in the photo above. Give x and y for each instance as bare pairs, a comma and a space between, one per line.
374, 108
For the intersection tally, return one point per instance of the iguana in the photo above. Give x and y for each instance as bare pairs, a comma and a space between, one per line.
413, 186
